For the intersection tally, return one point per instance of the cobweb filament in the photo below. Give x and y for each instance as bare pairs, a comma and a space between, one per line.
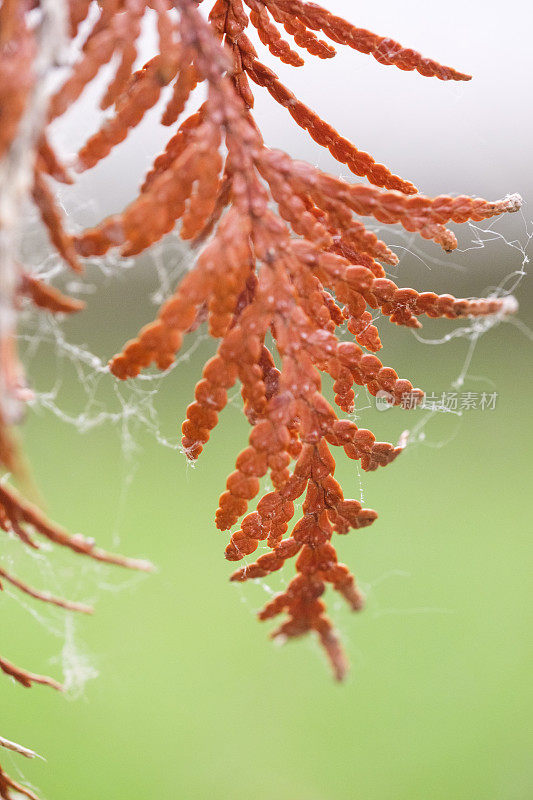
282, 267
130, 408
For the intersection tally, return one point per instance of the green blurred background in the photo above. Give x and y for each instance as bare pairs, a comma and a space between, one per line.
192, 700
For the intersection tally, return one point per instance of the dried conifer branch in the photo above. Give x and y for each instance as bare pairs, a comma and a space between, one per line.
17, 748
8, 786
16, 517
22, 129
256, 279
16, 514
26, 678
6, 783
383, 49
303, 37
43, 296
46, 597
284, 262
28, 54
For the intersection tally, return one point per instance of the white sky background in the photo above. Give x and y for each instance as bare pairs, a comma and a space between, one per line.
446, 137
470, 137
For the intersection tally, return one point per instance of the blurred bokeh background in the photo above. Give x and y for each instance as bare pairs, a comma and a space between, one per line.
192, 700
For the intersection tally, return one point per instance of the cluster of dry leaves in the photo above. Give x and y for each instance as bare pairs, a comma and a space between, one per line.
284, 263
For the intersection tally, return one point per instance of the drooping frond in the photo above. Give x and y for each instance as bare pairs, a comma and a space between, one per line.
285, 262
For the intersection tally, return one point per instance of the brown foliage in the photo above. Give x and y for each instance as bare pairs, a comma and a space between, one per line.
286, 261
254, 279
8, 786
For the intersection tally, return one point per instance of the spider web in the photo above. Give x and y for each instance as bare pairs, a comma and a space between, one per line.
78, 390
76, 387
130, 410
